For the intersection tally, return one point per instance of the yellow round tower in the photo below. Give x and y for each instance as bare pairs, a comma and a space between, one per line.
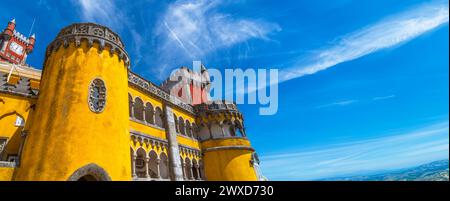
81, 118
227, 153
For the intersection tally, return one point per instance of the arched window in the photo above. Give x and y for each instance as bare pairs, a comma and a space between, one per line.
202, 170
239, 131
181, 125
164, 166
228, 129
188, 128
158, 117
216, 130
203, 132
138, 109
183, 166
194, 131
195, 169
149, 113
232, 131
176, 123
188, 169
152, 164
140, 163
133, 168
130, 105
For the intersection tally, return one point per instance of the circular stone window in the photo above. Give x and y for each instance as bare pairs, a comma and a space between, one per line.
97, 95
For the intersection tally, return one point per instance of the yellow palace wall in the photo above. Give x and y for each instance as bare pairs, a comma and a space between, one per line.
11, 107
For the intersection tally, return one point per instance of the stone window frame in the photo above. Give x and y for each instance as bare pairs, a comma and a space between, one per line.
90, 104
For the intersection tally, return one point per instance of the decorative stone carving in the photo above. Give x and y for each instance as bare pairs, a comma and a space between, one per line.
91, 33
135, 135
190, 150
97, 95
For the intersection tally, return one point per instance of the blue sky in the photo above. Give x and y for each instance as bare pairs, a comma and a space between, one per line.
363, 84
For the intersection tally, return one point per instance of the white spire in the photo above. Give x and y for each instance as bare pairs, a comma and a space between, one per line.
33, 36
13, 20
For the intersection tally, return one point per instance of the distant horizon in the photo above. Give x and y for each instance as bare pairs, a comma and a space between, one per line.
380, 172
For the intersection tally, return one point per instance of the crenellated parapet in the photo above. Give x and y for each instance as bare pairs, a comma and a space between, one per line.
219, 119
227, 152
92, 33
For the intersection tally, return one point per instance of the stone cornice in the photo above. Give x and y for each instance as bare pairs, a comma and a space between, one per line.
156, 91
190, 150
229, 148
91, 33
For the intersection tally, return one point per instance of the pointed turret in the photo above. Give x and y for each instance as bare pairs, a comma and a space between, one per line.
9, 30
30, 45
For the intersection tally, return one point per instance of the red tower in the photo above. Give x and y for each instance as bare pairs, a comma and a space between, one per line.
189, 86
14, 47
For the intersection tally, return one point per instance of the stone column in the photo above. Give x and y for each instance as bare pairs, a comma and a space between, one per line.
197, 168
210, 132
173, 152
144, 116
184, 171
133, 166
132, 108
147, 160
153, 116
158, 172
192, 173
221, 128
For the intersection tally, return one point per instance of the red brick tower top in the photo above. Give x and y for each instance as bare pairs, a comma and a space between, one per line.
14, 46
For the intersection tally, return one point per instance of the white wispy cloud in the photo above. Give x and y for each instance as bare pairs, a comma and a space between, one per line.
353, 101
339, 103
115, 14
383, 97
104, 12
392, 151
390, 32
44, 4
191, 29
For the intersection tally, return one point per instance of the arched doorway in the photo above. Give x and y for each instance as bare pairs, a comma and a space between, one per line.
87, 178
90, 172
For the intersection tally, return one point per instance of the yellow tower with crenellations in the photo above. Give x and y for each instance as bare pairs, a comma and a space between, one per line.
79, 131
227, 152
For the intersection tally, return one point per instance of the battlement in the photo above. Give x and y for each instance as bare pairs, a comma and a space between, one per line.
92, 33
21, 37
